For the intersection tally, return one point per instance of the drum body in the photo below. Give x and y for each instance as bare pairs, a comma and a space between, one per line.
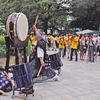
22, 75
17, 26
56, 62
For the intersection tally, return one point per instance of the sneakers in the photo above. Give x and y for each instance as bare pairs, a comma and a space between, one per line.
59, 71
56, 78
92, 60
70, 60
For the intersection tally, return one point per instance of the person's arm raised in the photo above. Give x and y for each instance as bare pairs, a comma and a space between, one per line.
36, 30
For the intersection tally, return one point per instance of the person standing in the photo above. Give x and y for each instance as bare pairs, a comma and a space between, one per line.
61, 46
82, 47
53, 44
91, 48
74, 46
68, 44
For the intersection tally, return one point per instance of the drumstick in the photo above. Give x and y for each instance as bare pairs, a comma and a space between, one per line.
39, 71
36, 20
3, 93
22, 97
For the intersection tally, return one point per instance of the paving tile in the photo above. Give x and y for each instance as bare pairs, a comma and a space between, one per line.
45, 93
78, 81
89, 97
65, 97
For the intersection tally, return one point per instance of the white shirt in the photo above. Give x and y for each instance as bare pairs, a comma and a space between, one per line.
94, 40
90, 42
98, 39
40, 52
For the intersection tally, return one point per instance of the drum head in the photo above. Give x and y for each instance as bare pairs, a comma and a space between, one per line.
22, 27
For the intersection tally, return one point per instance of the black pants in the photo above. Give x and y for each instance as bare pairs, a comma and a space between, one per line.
71, 57
65, 51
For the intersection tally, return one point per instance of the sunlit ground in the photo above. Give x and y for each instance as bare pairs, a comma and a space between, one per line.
3, 61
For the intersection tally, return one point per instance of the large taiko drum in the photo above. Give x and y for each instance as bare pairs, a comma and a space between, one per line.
17, 26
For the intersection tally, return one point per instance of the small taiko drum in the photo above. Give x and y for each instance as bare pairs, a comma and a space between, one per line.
17, 26
22, 75
56, 62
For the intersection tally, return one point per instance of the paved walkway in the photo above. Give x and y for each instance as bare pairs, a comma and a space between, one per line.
78, 81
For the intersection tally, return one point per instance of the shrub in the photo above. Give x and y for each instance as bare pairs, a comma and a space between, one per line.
28, 47
2, 46
2, 31
2, 51
2, 39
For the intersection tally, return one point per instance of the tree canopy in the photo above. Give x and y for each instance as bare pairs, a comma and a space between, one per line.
51, 13
87, 13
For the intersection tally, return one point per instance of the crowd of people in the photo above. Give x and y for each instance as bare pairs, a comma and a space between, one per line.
68, 45
71, 44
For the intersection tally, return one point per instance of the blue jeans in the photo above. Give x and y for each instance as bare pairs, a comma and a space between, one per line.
61, 52
73, 51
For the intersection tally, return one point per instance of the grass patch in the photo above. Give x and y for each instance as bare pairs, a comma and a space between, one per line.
3, 61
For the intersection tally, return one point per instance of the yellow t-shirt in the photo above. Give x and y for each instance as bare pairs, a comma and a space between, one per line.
74, 44
52, 39
68, 40
61, 43
32, 38
57, 38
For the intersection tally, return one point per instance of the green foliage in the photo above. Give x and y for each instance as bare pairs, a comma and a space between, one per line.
87, 13
79, 8
45, 9
2, 31
57, 22
2, 46
2, 40
29, 47
2, 50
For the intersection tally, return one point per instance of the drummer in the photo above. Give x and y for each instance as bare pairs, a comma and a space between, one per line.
41, 59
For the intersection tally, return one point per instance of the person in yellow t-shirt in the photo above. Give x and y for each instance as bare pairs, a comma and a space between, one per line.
32, 38
53, 45
74, 46
68, 44
61, 46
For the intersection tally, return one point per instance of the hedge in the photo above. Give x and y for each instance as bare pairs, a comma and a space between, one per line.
3, 46
2, 39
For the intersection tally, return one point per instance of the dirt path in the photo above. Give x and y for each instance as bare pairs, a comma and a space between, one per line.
3, 61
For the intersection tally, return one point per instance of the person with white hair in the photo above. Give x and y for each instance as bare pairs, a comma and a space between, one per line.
41, 58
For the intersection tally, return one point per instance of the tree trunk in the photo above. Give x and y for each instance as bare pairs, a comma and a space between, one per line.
45, 25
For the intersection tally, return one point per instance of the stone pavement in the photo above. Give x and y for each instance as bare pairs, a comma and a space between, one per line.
78, 81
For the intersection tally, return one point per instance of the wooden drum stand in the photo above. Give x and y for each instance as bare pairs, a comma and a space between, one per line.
16, 44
